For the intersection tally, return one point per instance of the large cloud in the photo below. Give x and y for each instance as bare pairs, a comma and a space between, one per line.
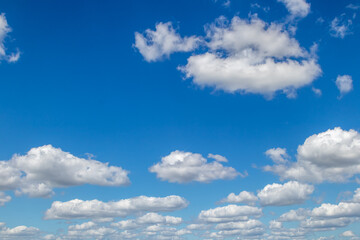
252, 57
287, 194
154, 45
95, 209
183, 167
333, 156
46, 167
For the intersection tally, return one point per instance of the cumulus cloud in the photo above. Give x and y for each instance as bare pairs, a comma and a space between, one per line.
348, 234
95, 209
344, 83
242, 197
294, 215
229, 213
340, 27
4, 31
4, 198
148, 219
333, 156
154, 45
18, 232
278, 155
183, 167
287, 194
46, 167
332, 216
297, 8
252, 57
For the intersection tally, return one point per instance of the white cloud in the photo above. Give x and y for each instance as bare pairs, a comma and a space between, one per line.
154, 45
46, 167
317, 91
294, 215
93, 209
229, 213
242, 197
252, 57
278, 155
19, 231
4, 31
333, 156
340, 27
217, 157
287, 194
4, 198
348, 234
344, 84
148, 219
353, 6
183, 167
252, 223
297, 8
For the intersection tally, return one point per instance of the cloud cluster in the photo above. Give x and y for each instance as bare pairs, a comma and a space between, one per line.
44, 168
184, 167
247, 56
95, 209
340, 27
154, 45
333, 156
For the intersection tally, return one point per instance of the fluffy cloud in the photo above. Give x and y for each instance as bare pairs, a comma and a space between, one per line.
297, 8
344, 84
4, 31
340, 27
4, 199
242, 197
148, 219
294, 215
252, 57
18, 232
287, 194
154, 45
95, 209
46, 167
348, 234
183, 167
229, 213
278, 155
333, 155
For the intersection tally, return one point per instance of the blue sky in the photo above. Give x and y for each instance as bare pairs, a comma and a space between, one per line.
179, 119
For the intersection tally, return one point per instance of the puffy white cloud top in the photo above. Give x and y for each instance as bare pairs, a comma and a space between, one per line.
285, 194
154, 45
252, 57
44, 168
183, 167
333, 156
